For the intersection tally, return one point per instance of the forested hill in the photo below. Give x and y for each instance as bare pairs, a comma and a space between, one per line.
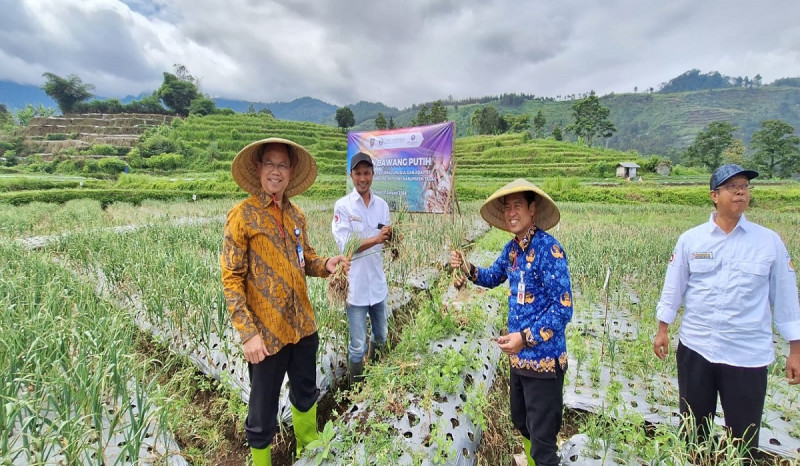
650, 123
663, 122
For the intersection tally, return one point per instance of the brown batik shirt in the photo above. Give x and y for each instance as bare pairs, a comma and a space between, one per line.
264, 282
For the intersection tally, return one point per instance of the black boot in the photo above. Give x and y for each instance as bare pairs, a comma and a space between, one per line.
376, 351
354, 371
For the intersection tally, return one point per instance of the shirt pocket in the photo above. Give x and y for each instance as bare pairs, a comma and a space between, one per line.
357, 226
702, 266
749, 276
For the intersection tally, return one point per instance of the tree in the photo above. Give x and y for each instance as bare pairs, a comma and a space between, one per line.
591, 119
734, 153
5, 116
266, 112
486, 120
708, 145
177, 94
776, 149
380, 121
517, 123
557, 135
538, 124
202, 106
438, 112
67, 92
391, 123
422, 117
183, 74
345, 118
25, 115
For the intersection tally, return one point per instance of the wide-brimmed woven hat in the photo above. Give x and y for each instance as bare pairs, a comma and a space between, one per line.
547, 214
245, 170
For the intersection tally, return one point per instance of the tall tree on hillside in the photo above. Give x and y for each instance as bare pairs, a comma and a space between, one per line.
557, 135
423, 118
380, 121
183, 74
517, 123
438, 112
708, 145
177, 94
486, 120
67, 92
538, 124
591, 119
345, 118
776, 149
391, 123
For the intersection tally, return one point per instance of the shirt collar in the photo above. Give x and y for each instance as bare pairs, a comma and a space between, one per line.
266, 199
526, 240
355, 197
743, 223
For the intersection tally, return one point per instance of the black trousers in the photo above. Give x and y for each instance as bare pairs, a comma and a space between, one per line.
300, 362
536, 407
741, 392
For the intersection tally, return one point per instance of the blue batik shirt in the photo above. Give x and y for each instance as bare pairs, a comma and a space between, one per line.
546, 299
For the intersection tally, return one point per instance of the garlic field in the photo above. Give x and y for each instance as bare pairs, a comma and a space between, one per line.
88, 292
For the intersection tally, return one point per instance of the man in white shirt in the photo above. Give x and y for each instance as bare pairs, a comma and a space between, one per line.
366, 215
734, 278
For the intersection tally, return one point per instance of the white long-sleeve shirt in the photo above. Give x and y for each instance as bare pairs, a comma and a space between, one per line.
352, 216
733, 287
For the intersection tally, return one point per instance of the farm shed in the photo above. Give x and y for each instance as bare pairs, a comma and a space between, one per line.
627, 170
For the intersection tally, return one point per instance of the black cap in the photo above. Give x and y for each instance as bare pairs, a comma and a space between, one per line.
728, 171
358, 158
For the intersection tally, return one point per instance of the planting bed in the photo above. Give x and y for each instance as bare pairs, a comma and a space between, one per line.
414, 406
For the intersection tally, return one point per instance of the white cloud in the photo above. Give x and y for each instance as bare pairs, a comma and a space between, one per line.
399, 52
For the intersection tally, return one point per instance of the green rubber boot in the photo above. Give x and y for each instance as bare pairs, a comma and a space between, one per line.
305, 427
261, 456
527, 444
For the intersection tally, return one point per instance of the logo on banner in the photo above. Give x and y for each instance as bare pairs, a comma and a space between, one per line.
398, 140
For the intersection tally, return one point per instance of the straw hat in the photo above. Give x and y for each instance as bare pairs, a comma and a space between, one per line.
547, 214
245, 170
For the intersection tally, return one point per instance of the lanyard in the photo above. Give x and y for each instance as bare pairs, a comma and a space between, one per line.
300, 256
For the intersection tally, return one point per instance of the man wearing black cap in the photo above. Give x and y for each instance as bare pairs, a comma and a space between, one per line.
734, 278
364, 214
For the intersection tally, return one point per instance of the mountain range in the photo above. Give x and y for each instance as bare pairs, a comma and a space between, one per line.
660, 122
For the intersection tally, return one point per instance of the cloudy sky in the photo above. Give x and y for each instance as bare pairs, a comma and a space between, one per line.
398, 52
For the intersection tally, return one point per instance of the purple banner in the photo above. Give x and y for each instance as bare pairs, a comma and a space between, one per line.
413, 169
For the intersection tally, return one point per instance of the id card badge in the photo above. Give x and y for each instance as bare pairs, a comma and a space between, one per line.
300, 256
521, 288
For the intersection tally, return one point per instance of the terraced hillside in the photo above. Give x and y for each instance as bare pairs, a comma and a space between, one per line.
205, 147
53, 135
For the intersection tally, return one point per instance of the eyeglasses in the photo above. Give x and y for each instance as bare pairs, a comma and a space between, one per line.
734, 188
271, 166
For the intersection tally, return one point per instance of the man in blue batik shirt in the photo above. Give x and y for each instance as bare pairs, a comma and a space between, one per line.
539, 308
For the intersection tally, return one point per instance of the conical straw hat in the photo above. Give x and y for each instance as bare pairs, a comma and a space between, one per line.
547, 214
245, 170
